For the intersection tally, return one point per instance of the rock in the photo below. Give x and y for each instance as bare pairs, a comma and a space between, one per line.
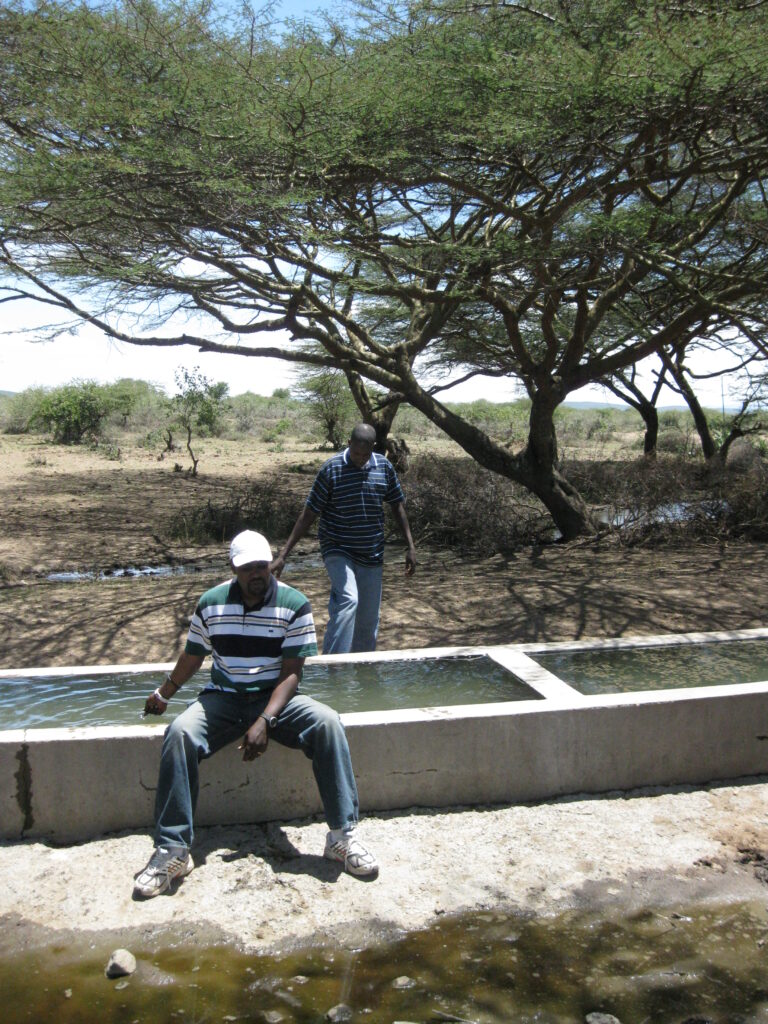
601, 1018
341, 1012
742, 457
121, 962
398, 453
403, 982
272, 1016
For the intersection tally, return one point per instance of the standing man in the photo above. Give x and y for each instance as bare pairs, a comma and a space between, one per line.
348, 495
258, 631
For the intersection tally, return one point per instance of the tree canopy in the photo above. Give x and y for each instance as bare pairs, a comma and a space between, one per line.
548, 193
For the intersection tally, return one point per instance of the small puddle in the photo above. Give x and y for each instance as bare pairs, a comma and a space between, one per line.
145, 571
130, 572
702, 964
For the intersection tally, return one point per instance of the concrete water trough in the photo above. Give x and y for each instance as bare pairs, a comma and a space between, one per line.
74, 783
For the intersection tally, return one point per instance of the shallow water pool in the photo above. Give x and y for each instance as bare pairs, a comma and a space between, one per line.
669, 966
37, 702
669, 667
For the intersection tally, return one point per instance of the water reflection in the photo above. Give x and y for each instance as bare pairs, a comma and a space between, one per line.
669, 966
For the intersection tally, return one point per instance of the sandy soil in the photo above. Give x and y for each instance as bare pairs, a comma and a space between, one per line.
267, 886
65, 509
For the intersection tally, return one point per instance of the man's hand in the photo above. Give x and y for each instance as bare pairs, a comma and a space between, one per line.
155, 704
277, 565
255, 741
410, 561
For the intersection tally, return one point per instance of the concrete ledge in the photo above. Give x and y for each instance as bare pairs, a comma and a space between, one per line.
73, 784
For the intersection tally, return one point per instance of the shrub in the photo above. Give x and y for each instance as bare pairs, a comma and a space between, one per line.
277, 431
74, 412
250, 414
135, 404
20, 412
457, 503
261, 507
675, 441
329, 403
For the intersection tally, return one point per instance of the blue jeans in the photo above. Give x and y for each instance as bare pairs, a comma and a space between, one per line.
353, 607
216, 719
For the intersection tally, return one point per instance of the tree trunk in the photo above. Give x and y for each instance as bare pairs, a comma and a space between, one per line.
380, 415
535, 467
708, 446
633, 396
193, 470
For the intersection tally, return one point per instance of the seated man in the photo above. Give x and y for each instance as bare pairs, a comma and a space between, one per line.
258, 631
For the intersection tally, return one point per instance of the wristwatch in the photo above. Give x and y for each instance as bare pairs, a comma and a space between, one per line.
271, 720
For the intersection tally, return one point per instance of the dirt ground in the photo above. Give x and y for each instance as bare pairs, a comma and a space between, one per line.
65, 509
71, 510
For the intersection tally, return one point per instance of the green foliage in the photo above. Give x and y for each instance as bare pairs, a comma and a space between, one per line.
74, 412
264, 417
277, 432
601, 424
20, 413
197, 406
134, 403
330, 403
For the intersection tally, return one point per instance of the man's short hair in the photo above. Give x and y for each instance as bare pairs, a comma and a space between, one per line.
364, 433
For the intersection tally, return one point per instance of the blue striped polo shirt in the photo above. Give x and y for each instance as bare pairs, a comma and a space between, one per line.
349, 502
248, 644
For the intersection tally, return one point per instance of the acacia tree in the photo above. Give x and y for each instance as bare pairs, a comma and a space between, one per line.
330, 404
491, 189
624, 385
748, 356
196, 407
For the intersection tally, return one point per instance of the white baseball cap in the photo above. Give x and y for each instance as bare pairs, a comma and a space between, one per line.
247, 547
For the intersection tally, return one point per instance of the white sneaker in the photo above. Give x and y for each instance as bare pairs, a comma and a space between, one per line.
165, 864
356, 858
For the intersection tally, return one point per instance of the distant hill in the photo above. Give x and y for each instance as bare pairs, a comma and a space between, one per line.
596, 405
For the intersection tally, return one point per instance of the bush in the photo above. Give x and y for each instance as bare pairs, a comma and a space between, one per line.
20, 412
135, 404
457, 503
652, 501
674, 441
261, 507
329, 403
277, 431
74, 412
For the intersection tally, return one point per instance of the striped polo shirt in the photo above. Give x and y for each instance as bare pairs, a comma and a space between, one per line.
349, 502
249, 644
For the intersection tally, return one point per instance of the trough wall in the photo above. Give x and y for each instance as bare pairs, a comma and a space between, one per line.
73, 784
